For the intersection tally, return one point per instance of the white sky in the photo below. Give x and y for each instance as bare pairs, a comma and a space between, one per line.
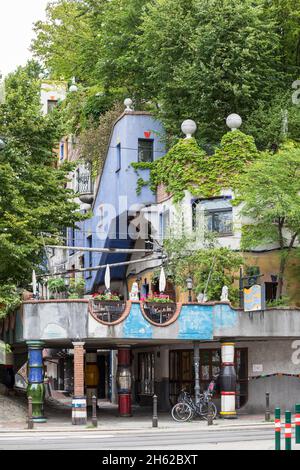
16, 23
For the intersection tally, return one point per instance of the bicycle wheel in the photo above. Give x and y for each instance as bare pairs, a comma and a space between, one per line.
181, 412
206, 408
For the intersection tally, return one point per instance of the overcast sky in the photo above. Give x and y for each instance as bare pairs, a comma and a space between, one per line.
16, 22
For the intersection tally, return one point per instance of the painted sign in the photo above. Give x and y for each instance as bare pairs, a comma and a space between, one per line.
258, 368
253, 299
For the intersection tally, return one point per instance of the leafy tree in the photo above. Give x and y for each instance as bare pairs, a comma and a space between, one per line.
211, 267
33, 195
272, 122
270, 191
204, 60
65, 42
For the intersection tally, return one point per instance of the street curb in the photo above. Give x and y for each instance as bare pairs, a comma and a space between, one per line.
143, 429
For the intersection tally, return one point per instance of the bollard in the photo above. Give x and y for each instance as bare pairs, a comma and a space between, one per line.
288, 430
155, 417
268, 413
210, 415
30, 420
94, 415
297, 423
277, 429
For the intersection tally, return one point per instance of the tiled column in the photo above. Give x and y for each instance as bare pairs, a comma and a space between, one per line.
124, 381
79, 413
228, 380
36, 388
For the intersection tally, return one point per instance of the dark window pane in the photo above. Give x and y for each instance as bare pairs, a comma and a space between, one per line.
51, 104
145, 150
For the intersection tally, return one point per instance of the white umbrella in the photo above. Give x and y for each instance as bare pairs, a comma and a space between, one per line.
162, 281
107, 278
34, 283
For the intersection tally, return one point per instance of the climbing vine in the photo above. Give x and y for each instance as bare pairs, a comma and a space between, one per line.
186, 167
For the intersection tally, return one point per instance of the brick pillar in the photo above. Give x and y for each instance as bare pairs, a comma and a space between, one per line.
79, 413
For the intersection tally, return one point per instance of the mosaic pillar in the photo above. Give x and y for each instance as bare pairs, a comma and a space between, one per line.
79, 412
36, 388
91, 376
124, 382
228, 381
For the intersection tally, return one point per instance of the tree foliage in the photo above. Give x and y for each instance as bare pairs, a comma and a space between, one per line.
33, 195
210, 267
270, 191
201, 59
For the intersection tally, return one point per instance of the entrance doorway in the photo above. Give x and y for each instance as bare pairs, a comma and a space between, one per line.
182, 372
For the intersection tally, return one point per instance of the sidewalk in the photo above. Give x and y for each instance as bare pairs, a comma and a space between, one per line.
59, 417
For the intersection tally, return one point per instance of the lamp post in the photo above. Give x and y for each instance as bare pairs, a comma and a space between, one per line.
189, 285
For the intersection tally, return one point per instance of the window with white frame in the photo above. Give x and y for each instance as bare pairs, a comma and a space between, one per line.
213, 215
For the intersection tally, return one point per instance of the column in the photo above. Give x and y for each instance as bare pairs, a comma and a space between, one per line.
124, 381
91, 376
79, 413
228, 381
164, 390
36, 388
197, 371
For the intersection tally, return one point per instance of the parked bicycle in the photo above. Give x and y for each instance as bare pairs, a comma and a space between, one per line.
186, 409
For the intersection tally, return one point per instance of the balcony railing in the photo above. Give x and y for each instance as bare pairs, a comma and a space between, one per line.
108, 311
85, 184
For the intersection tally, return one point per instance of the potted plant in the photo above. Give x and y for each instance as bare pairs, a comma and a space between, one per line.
76, 288
57, 287
108, 307
159, 308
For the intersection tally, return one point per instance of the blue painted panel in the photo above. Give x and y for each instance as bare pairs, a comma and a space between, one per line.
35, 375
135, 325
196, 322
35, 357
224, 316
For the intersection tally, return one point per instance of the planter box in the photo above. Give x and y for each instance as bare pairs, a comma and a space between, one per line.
160, 313
108, 311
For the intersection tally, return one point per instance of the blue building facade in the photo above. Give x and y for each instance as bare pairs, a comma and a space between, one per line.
135, 137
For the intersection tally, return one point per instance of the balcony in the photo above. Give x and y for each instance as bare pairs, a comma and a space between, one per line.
85, 184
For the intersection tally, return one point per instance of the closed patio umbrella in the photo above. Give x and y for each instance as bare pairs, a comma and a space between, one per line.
162, 281
107, 278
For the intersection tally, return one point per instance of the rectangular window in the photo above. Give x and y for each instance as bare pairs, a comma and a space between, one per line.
51, 104
89, 255
145, 151
164, 224
214, 215
62, 151
72, 239
119, 157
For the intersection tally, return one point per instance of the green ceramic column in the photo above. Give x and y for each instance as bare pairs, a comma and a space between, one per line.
36, 389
